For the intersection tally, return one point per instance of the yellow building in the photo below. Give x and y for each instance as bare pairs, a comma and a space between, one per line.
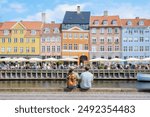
20, 39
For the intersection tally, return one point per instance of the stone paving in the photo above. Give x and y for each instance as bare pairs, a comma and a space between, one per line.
76, 96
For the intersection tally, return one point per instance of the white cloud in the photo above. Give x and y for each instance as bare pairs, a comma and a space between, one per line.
18, 7
131, 11
55, 14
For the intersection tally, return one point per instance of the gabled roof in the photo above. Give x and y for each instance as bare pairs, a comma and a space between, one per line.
7, 25
32, 25
72, 17
109, 20
29, 25
135, 22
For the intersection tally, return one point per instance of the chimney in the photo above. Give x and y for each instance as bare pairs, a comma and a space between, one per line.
78, 10
105, 13
52, 22
43, 17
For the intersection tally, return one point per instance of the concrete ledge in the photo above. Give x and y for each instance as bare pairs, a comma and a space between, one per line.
67, 90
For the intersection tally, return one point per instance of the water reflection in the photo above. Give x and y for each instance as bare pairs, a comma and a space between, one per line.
62, 84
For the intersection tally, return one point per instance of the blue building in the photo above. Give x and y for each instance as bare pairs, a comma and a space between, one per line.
135, 38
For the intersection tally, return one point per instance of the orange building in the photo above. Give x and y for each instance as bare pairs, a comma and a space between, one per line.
75, 35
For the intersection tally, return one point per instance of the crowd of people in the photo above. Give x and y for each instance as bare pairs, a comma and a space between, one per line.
54, 65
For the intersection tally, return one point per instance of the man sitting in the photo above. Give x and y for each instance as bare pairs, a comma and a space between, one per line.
86, 79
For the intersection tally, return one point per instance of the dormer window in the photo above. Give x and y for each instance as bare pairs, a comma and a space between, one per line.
96, 22
105, 22
46, 30
141, 23
114, 22
56, 30
33, 32
6, 32
129, 23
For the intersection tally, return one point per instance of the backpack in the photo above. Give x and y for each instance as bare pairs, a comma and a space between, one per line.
71, 80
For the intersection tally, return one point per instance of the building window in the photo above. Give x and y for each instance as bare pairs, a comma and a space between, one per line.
15, 31
86, 47
101, 40
58, 39
125, 48
96, 22
9, 40
141, 23
65, 36
81, 36
33, 32
109, 30
53, 48
48, 49
93, 31
93, 40
130, 39
3, 49
105, 22
75, 35
93, 48
46, 30
102, 30
116, 40
147, 39
141, 32
109, 40
125, 40
75, 47
141, 39
109, 48
6, 32
85, 36
33, 49
116, 48
114, 22
21, 49
48, 39
33, 40
129, 23
147, 48
21, 40
56, 30
3, 40
21, 31
70, 46
9, 49
116, 30
135, 39
135, 48
70, 36
141, 48
15, 49
80, 46
101, 48
27, 40
15, 40
65, 46
43, 40
58, 48
27, 50
130, 48
43, 48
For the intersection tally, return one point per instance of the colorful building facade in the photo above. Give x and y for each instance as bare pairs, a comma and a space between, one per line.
135, 38
20, 39
75, 35
51, 40
105, 36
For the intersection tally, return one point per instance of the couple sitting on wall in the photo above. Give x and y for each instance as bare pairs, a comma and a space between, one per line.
84, 81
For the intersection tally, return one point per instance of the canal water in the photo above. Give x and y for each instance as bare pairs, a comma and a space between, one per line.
62, 84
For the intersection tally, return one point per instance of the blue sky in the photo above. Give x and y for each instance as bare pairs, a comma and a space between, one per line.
55, 9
